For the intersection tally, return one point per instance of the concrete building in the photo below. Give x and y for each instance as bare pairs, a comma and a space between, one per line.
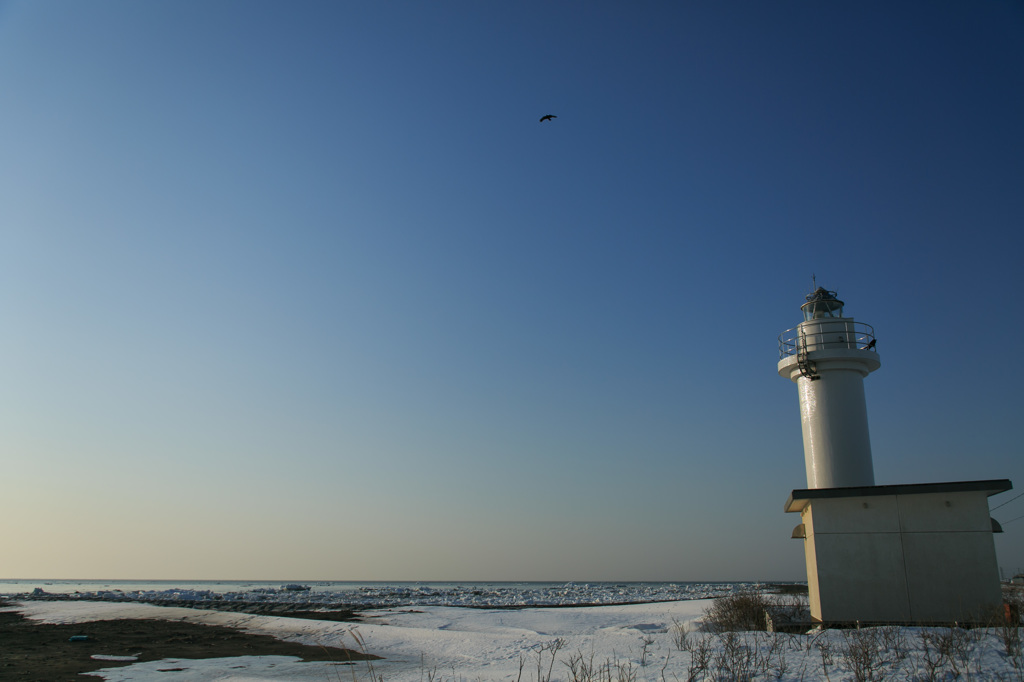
900, 553
877, 553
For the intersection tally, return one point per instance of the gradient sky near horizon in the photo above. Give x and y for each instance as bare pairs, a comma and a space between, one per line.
305, 290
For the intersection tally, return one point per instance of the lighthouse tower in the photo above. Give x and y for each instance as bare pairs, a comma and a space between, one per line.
827, 356
908, 553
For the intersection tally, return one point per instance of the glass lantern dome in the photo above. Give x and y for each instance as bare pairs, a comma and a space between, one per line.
821, 304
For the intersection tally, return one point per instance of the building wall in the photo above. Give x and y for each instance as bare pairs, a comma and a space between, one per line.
898, 558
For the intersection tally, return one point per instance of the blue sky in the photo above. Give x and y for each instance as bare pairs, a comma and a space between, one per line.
305, 290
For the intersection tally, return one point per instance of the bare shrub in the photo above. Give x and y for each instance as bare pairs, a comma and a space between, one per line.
738, 612
680, 635
551, 650
582, 668
700, 659
893, 639
776, 664
735, 661
1008, 628
966, 654
361, 647
665, 666
787, 610
861, 654
624, 672
931, 658
824, 645
645, 643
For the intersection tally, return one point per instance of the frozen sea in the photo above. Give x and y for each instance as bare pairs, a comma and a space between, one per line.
377, 594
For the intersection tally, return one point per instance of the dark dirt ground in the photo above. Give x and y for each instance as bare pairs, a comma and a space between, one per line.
36, 651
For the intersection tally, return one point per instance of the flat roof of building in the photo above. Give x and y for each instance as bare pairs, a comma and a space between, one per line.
798, 499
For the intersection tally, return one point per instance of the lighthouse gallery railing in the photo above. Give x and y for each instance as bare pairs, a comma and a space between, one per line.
836, 334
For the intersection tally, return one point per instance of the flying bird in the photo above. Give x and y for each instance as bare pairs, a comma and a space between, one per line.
871, 344
547, 117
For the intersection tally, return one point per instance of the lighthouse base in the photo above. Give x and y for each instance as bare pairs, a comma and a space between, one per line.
900, 553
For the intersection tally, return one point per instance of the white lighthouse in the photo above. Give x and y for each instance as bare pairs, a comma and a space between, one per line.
828, 356
908, 553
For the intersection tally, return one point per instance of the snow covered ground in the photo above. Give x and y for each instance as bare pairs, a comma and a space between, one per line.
626, 643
